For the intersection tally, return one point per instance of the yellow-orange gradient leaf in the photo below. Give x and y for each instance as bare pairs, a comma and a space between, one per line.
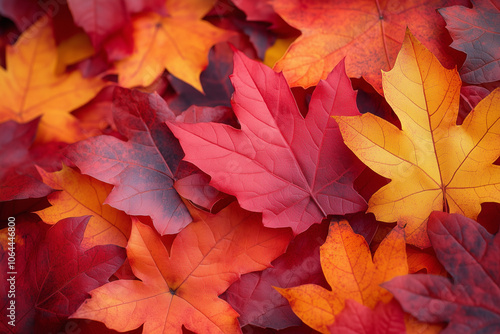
433, 163
31, 88
351, 273
182, 288
179, 42
368, 33
82, 195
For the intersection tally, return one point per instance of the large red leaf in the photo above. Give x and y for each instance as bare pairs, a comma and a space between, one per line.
476, 32
470, 302
53, 274
293, 170
181, 287
142, 169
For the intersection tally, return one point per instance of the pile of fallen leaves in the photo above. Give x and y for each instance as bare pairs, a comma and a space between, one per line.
263, 166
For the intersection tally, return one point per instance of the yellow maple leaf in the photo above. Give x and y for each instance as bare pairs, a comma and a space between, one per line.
434, 164
351, 273
179, 42
31, 88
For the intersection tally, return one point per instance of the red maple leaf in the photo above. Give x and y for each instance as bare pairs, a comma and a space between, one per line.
470, 254
294, 170
53, 274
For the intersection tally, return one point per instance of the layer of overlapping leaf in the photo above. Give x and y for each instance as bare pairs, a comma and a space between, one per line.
191, 189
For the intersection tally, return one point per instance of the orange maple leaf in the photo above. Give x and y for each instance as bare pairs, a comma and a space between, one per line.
434, 164
31, 88
351, 273
82, 195
183, 288
367, 32
179, 42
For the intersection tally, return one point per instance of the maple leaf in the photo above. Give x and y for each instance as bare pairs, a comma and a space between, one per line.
476, 32
294, 170
433, 163
182, 32
351, 273
182, 288
18, 176
470, 254
359, 319
82, 195
53, 273
368, 33
254, 297
31, 87
142, 169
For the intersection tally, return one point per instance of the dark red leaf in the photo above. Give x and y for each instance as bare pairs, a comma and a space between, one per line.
53, 275
18, 176
470, 254
254, 297
469, 98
